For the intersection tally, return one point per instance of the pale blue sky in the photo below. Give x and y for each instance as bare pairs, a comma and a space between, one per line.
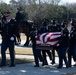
62, 1
68, 1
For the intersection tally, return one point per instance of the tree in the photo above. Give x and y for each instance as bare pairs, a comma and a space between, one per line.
54, 2
13, 3
4, 7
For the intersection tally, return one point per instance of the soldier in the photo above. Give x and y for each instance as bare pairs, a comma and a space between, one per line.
55, 27
36, 52
45, 27
72, 48
9, 33
44, 30
63, 46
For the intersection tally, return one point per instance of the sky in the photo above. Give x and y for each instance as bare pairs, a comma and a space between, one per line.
6, 1
68, 1
62, 1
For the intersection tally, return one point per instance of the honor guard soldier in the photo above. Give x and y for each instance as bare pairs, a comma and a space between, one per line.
36, 52
9, 33
72, 48
63, 46
45, 27
55, 27
45, 30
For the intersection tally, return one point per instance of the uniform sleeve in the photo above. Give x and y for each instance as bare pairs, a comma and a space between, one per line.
1, 29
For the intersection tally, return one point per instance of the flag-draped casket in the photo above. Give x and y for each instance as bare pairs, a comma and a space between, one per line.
47, 40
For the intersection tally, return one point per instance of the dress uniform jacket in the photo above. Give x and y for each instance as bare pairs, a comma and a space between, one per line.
9, 31
54, 28
72, 47
64, 41
43, 30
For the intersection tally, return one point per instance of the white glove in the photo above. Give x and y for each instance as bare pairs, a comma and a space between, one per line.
58, 44
12, 38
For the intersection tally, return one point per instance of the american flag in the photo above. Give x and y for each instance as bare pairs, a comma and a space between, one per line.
48, 39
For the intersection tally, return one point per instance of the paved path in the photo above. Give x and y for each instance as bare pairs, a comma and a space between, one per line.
28, 69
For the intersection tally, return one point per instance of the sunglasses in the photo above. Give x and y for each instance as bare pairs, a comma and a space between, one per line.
6, 16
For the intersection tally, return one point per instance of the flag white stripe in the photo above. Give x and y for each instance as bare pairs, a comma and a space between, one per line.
55, 36
39, 42
41, 37
46, 37
52, 43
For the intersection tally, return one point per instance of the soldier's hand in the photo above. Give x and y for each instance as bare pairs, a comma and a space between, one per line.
58, 44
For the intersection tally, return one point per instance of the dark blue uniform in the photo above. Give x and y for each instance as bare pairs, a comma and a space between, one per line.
64, 44
9, 33
72, 47
36, 52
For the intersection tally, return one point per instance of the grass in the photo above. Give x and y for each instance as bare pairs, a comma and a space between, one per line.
22, 51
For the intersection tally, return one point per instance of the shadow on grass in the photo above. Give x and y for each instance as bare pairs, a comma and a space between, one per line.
19, 45
19, 61
22, 61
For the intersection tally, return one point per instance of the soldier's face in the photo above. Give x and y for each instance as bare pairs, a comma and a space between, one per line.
8, 17
51, 21
65, 25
